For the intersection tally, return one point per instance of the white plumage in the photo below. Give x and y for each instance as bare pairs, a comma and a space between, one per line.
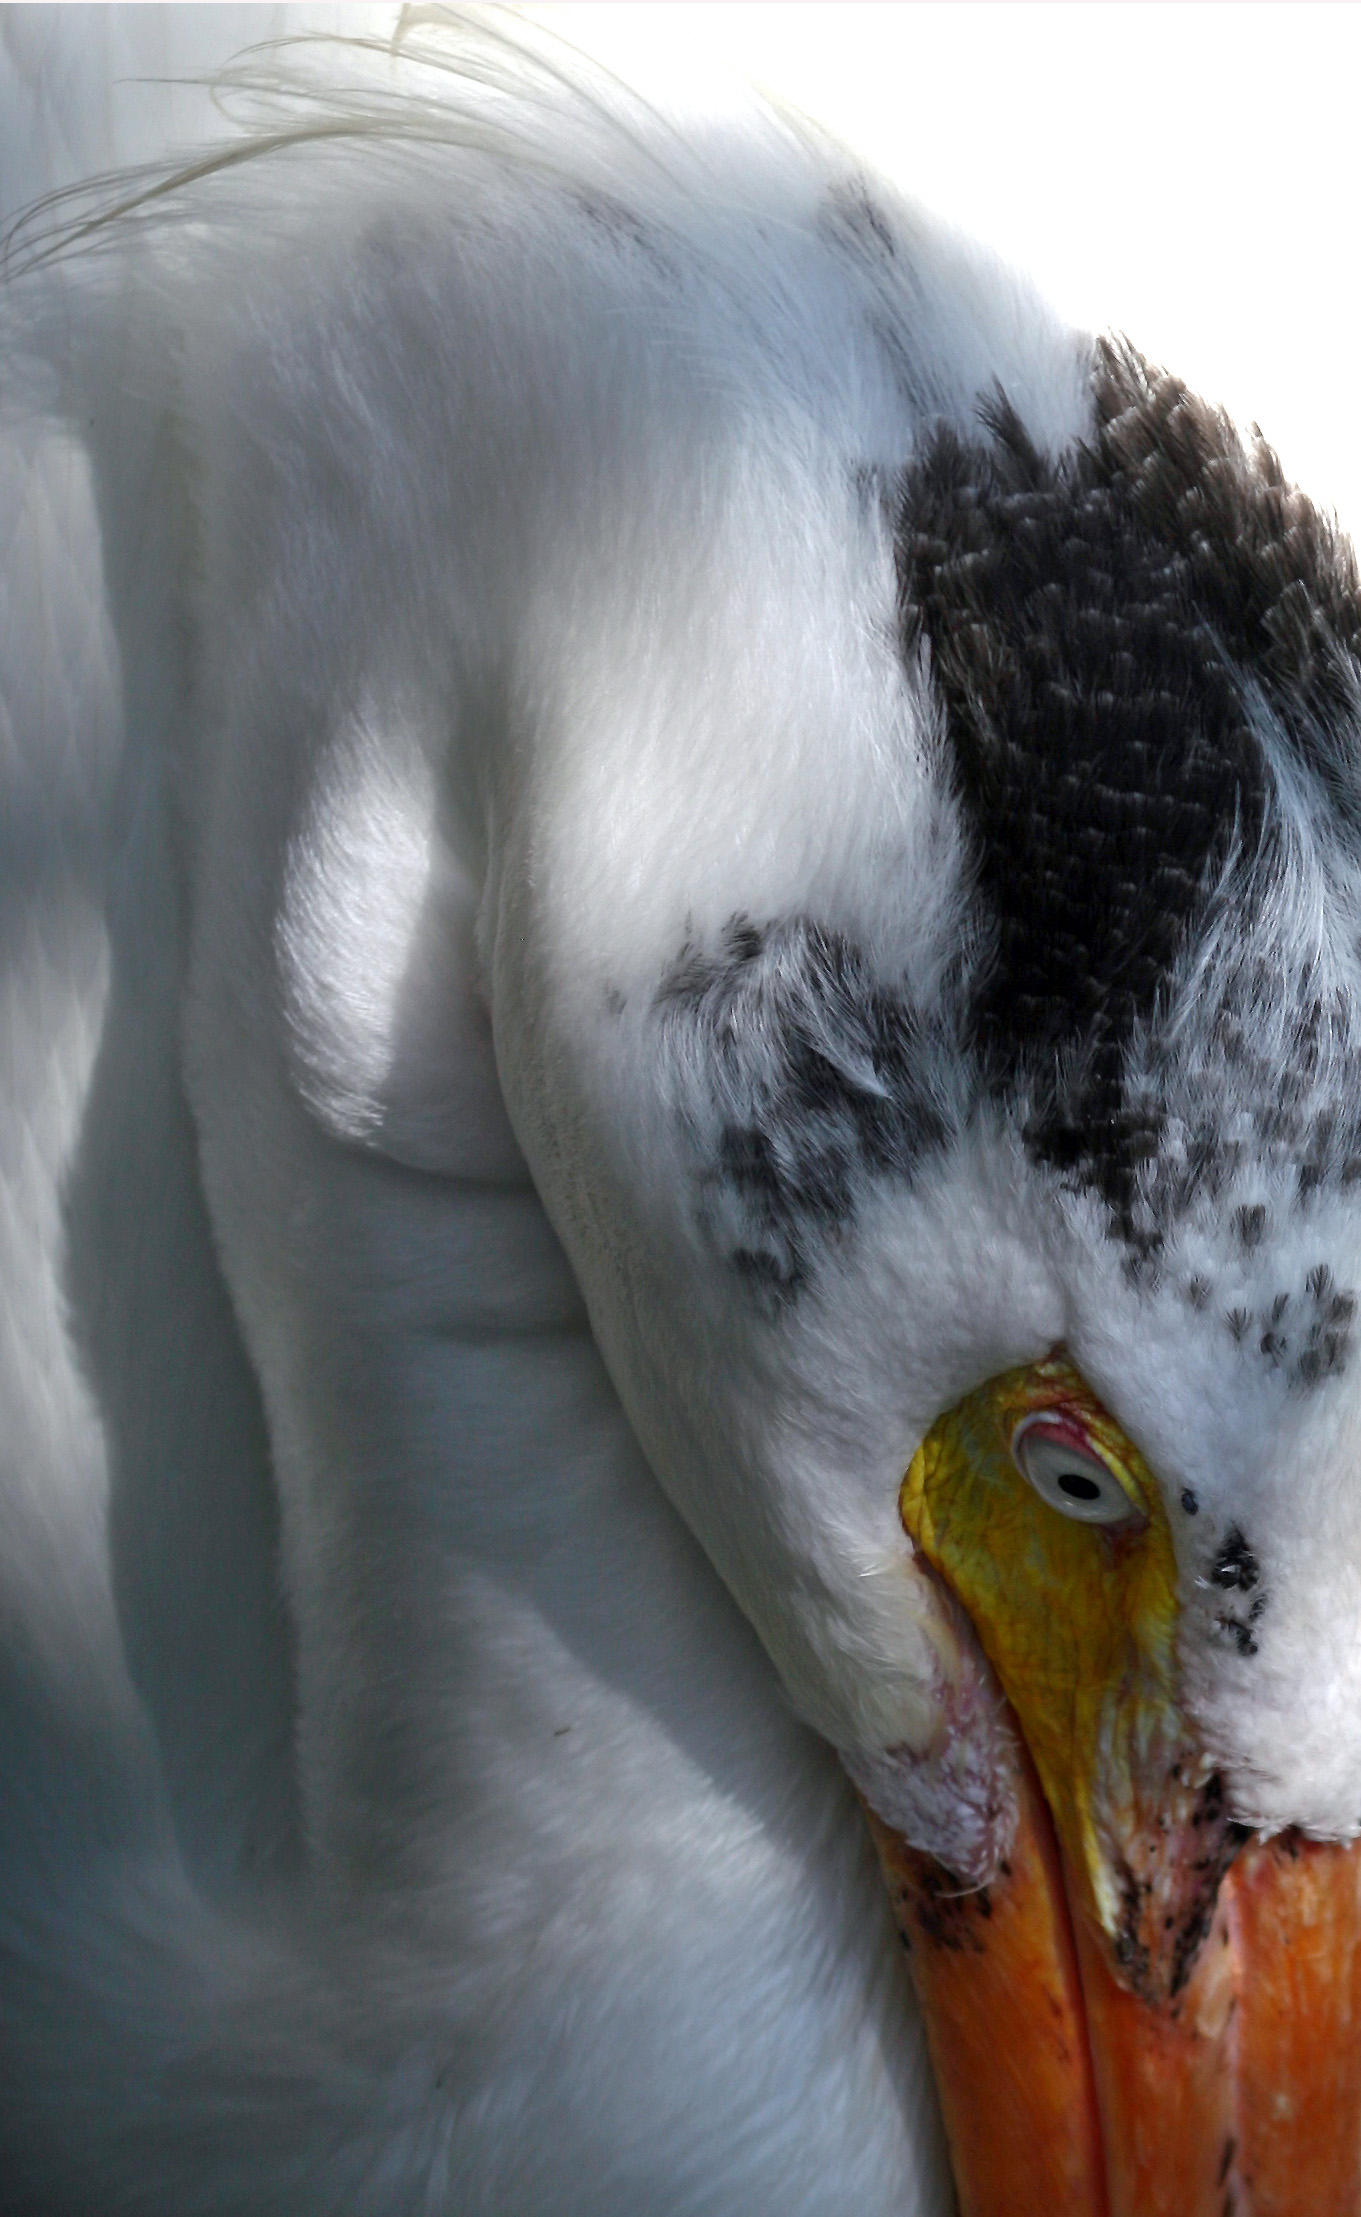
645, 1960
458, 603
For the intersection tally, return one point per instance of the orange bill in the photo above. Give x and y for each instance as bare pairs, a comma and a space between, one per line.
996, 1975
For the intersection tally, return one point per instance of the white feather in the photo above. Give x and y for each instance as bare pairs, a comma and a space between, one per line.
455, 595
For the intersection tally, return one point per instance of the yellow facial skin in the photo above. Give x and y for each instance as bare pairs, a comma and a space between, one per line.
1079, 1620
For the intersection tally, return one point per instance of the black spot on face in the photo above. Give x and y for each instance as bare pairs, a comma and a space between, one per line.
1189, 1502
1242, 1634
1235, 1569
811, 1078
1235, 1566
1305, 1339
1323, 1341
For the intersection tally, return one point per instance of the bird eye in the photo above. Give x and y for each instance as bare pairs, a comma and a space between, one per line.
1066, 1473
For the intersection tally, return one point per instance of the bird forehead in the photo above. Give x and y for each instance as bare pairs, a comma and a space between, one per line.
1147, 653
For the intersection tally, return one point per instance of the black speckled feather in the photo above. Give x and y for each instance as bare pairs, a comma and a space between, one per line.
1101, 628
817, 1073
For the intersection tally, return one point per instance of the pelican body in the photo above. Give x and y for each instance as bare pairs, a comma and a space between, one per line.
681, 1159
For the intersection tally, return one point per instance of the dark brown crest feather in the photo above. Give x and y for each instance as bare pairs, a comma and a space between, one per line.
1108, 630
1276, 576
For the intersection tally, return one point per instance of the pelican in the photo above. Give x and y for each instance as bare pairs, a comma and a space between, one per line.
682, 1181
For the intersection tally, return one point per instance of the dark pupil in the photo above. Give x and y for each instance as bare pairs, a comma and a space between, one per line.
1079, 1488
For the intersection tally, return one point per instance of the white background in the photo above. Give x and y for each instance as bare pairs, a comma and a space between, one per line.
1185, 172
1188, 173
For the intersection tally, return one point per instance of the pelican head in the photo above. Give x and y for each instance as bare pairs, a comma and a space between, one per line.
946, 1089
